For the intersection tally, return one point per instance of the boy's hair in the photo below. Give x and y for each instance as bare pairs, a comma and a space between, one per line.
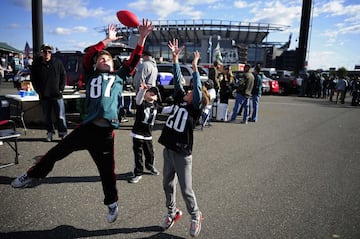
104, 52
205, 99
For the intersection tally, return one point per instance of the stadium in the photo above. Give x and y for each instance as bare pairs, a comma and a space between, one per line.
238, 42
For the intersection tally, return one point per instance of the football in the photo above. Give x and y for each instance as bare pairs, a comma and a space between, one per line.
128, 18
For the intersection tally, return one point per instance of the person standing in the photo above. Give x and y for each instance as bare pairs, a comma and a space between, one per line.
340, 88
177, 137
243, 94
48, 77
96, 133
146, 71
147, 100
256, 94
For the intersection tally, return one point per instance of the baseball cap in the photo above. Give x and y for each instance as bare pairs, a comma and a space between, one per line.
156, 91
146, 53
46, 47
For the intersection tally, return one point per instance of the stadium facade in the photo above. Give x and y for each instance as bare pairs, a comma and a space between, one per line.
238, 42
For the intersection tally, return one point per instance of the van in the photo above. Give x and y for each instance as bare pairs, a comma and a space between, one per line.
72, 61
186, 71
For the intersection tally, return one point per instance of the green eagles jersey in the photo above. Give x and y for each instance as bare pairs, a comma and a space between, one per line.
103, 91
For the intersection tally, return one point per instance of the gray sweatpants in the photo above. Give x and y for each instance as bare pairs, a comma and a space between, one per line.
180, 165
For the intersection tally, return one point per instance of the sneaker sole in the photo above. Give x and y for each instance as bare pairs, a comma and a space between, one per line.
134, 181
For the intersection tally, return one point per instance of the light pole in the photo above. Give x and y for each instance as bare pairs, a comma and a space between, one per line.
37, 22
210, 49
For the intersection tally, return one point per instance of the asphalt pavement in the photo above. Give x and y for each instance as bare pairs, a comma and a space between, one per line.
293, 174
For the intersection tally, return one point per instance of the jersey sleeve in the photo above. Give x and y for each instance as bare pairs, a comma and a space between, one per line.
90, 53
197, 95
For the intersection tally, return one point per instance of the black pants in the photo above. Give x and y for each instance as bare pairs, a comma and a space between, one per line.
99, 141
140, 146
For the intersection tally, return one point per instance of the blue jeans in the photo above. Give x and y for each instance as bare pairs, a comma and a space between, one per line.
240, 100
58, 106
255, 107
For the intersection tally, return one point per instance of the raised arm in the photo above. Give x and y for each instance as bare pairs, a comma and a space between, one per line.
144, 30
176, 51
93, 50
196, 81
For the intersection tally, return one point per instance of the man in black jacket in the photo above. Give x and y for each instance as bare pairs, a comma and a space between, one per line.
48, 77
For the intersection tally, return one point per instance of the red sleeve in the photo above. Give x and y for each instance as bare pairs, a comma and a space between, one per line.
90, 53
134, 59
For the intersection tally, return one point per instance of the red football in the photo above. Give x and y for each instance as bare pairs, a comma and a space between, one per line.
128, 18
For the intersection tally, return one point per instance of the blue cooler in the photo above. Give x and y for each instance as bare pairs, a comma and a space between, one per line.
164, 78
4, 110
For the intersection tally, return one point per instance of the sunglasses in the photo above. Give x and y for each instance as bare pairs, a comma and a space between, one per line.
47, 51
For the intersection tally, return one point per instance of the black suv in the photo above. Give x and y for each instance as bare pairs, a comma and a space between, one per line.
72, 61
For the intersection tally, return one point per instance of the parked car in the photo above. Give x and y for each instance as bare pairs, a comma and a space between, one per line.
266, 89
186, 71
274, 86
287, 84
165, 79
72, 61
269, 86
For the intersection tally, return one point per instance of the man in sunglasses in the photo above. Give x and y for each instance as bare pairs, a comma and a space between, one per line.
48, 77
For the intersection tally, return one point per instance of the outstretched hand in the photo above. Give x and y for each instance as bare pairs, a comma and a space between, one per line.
112, 32
174, 47
196, 58
144, 29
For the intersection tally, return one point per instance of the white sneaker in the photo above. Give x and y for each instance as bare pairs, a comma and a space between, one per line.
49, 137
170, 220
135, 179
113, 212
195, 226
21, 181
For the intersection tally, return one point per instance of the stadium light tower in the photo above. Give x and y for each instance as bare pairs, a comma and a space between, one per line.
304, 35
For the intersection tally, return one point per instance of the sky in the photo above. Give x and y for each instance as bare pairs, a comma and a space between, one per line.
334, 35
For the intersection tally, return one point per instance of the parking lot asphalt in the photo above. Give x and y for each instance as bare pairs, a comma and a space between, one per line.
293, 174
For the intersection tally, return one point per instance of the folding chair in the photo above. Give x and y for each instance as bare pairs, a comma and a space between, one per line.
9, 135
206, 115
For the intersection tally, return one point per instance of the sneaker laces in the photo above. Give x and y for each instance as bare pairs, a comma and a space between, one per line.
23, 178
112, 209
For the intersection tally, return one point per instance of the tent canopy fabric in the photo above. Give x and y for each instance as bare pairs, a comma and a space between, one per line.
7, 48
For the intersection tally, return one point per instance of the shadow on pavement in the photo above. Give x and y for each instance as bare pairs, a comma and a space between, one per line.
70, 232
58, 180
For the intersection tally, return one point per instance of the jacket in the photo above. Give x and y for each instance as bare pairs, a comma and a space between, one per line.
48, 78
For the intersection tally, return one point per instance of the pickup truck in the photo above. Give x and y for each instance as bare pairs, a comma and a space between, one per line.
287, 82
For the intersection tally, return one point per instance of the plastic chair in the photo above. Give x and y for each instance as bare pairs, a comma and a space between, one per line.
9, 135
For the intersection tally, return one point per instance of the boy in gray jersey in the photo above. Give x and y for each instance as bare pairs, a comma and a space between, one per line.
177, 137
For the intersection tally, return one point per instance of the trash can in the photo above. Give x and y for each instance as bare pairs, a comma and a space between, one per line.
4, 110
